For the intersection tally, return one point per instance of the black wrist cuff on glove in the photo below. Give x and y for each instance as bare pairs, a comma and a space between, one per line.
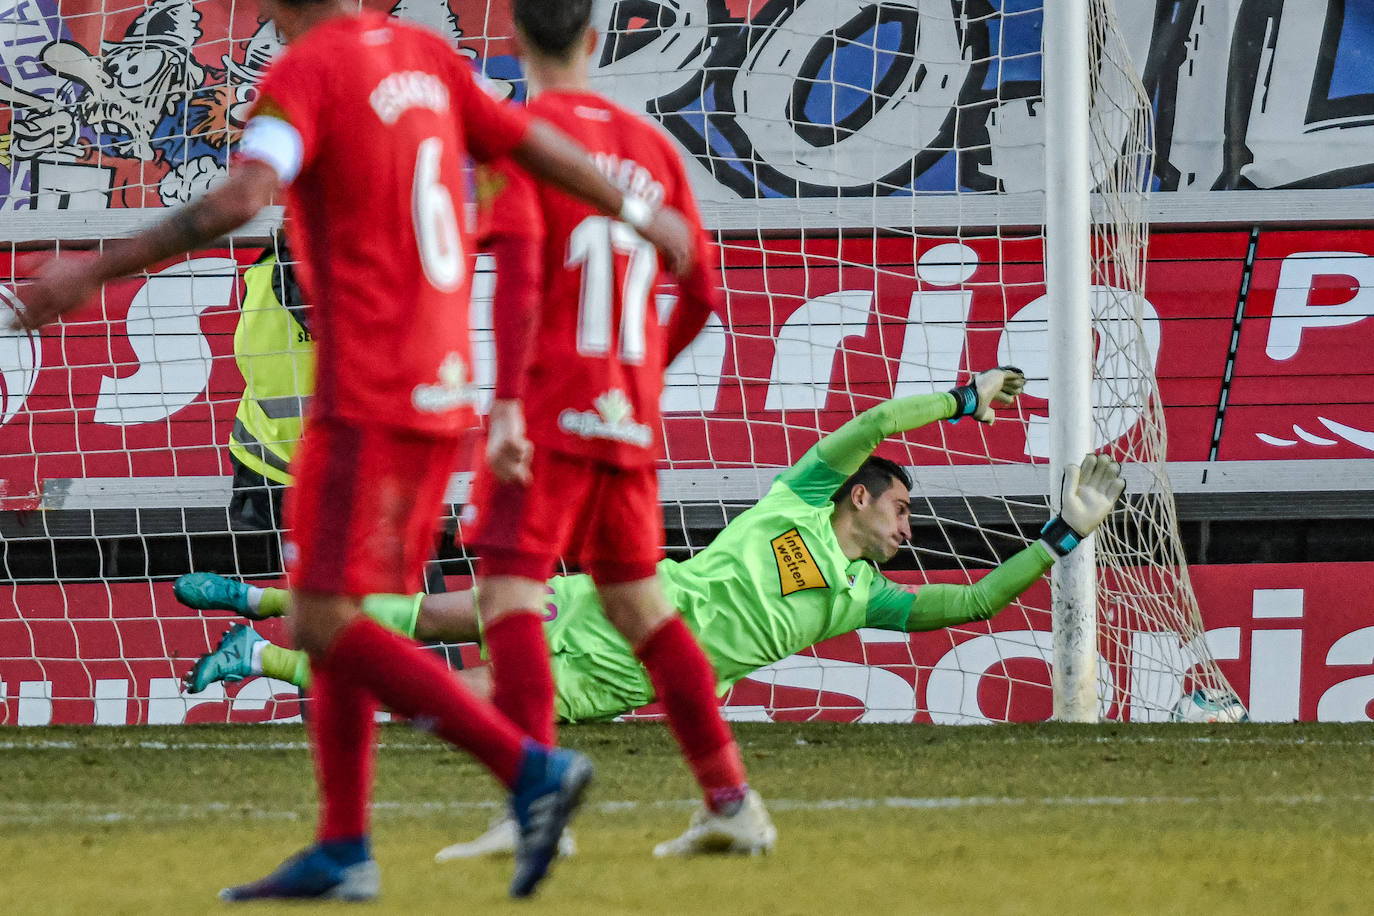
1059, 536
965, 401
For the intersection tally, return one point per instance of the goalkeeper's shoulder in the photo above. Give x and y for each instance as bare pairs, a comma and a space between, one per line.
812, 479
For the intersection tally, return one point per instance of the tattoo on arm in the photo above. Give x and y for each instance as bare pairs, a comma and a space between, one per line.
186, 227
195, 225
182, 231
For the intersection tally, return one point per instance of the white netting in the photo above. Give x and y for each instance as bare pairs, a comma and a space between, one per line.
1144, 587
876, 173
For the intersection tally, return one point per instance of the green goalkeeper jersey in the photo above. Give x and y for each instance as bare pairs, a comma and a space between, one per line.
772, 583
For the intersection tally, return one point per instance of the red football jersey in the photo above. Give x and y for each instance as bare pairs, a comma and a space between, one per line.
385, 113
595, 364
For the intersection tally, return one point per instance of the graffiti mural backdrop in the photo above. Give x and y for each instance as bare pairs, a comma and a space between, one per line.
784, 98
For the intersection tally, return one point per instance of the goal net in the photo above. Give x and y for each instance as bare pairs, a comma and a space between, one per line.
875, 174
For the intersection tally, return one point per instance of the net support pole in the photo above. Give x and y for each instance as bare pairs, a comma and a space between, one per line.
1067, 283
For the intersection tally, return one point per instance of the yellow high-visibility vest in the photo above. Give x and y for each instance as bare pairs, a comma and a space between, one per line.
276, 357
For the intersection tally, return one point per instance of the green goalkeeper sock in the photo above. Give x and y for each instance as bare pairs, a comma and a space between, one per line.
395, 612
290, 665
273, 602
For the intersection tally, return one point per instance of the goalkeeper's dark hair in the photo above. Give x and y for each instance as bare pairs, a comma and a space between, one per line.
877, 475
552, 26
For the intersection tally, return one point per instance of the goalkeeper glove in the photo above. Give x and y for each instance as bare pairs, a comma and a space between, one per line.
1090, 491
976, 399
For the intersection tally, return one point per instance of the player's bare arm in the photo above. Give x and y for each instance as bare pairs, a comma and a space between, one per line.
63, 285
553, 156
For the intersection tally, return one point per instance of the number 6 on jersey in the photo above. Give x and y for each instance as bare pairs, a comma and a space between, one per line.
436, 223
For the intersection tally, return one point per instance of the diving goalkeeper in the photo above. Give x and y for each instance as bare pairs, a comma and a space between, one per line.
795, 569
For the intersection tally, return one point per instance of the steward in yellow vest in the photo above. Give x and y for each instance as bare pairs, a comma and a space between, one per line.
276, 357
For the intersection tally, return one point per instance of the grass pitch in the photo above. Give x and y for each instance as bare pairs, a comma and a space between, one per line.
883, 819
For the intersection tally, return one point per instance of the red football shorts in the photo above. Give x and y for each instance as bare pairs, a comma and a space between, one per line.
363, 508
605, 518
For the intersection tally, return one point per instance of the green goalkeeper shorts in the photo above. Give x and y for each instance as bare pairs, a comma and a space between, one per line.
595, 673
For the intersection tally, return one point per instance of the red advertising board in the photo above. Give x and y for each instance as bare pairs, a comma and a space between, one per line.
1302, 366
144, 384
1295, 641
141, 384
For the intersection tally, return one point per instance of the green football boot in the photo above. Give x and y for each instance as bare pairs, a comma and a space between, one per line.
211, 592
231, 661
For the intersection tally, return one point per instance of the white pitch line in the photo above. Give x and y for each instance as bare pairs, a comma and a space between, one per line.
258, 746
40, 814
1297, 741
43, 745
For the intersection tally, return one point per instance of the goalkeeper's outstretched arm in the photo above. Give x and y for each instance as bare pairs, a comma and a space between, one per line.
1091, 490
830, 462
849, 446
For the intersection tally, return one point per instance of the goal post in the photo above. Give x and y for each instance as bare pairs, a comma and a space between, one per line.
1068, 277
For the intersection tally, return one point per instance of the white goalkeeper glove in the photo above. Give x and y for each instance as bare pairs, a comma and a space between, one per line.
1090, 492
998, 387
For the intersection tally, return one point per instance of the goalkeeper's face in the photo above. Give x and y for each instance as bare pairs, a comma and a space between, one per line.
883, 522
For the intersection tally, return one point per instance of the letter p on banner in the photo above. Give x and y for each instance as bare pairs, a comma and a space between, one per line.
1298, 304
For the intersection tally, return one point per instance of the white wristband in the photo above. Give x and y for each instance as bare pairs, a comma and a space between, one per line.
636, 212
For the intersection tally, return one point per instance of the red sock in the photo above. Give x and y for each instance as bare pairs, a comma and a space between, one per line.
420, 687
342, 726
522, 681
685, 683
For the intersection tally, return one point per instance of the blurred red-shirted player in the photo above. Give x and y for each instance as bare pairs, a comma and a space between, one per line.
581, 350
366, 121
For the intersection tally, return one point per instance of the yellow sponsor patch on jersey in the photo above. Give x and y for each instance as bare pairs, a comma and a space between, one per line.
797, 570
